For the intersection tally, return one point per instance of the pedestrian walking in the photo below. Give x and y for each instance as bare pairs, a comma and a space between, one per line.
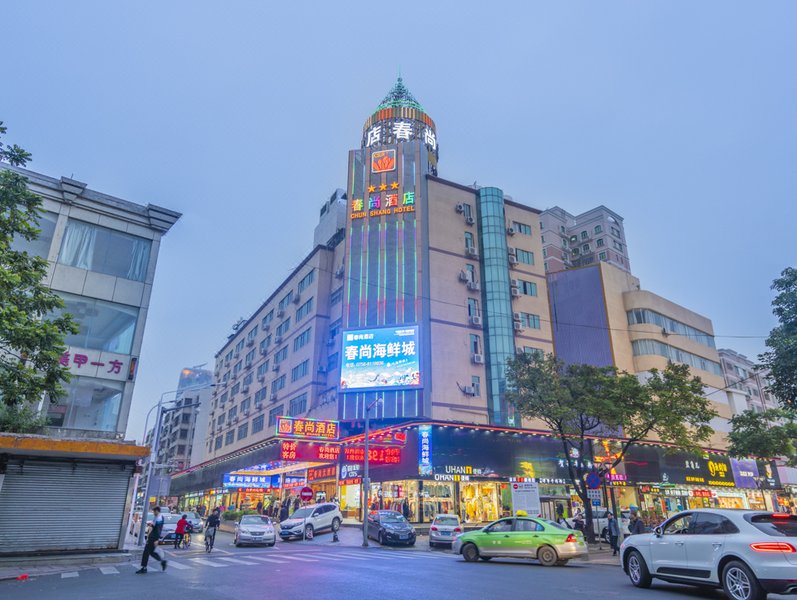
152, 540
259, 507
297, 504
636, 526
614, 532
179, 531
284, 511
405, 509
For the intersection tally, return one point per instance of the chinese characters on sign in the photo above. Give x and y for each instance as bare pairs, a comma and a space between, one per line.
231, 480
425, 450
94, 363
310, 429
383, 203
401, 130
304, 451
321, 473
381, 358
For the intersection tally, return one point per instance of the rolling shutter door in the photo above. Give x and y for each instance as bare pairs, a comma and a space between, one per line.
48, 506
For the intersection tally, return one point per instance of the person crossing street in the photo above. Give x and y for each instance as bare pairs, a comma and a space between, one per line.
152, 540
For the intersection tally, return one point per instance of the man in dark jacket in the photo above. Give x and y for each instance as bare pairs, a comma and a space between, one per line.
636, 526
284, 511
152, 540
614, 532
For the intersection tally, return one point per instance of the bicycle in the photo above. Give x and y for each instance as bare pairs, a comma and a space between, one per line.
210, 537
187, 539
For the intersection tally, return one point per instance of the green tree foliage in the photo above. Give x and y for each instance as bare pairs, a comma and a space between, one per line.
581, 402
781, 358
767, 434
31, 342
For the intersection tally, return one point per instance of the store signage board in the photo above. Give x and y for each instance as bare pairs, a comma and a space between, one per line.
231, 480
307, 429
526, 497
594, 494
312, 452
381, 359
425, 450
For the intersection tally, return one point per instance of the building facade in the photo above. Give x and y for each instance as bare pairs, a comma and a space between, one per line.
746, 385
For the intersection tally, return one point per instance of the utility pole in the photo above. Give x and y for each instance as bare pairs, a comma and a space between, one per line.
366, 479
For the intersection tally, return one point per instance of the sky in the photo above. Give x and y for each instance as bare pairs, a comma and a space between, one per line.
680, 116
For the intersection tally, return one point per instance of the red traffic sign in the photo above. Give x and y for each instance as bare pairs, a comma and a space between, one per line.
306, 494
593, 480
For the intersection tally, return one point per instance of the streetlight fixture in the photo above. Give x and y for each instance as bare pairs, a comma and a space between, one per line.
366, 480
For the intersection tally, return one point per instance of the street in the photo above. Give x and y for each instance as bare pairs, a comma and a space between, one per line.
322, 570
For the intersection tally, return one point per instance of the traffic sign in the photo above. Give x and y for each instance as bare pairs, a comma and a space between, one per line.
596, 503
594, 495
593, 480
306, 494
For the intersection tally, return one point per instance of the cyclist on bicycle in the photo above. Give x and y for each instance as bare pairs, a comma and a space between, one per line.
212, 523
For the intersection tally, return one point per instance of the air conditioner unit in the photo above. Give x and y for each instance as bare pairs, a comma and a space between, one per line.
516, 293
514, 283
278, 339
322, 369
339, 273
510, 231
281, 312
245, 389
475, 320
470, 220
512, 251
296, 299
236, 354
234, 420
331, 342
267, 327
275, 368
263, 351
517, 316
259, 407
261, 378
246, 413
512, 259
518, 326
273, 396
248, 366
519, 351
464, 275
469, 391
478, 359
250, 342
460, 208
472, 252
473, 286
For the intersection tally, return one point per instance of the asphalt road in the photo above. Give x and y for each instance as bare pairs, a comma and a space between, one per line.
322, 570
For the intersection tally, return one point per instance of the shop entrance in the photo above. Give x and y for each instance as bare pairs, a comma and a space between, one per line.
479, 501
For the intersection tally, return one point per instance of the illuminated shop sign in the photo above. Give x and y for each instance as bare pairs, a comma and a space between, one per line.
321, 473
307, 429
383, 161
305, 451
232, 480
425, 450
380, 358
381, 202
401, 130
351, 474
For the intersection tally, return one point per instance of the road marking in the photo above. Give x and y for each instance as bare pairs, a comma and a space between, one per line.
358, 556
175, 565
266, 559
68, 575
304, 558
109, 571
208, 563
236, 561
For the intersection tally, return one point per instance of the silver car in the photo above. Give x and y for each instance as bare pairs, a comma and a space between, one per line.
444, 530
255, 529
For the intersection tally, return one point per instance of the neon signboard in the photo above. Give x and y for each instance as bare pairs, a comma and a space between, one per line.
385, 358
383, 161
425, 450
307, 429
305, 451
382, 203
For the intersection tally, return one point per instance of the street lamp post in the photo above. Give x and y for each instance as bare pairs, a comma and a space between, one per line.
366, 479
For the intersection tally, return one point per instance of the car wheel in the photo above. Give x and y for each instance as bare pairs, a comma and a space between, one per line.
235, 541
335, 524
470, 553
739, 582
638, 570
547, 556
486, 558
380, 538
432, 545
308, 532
271, 545
412, 543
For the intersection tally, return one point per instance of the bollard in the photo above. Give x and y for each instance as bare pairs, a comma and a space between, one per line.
335, 537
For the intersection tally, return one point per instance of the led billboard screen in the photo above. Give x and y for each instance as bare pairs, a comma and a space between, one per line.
384, 358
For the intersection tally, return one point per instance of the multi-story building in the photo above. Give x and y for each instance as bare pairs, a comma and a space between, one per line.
577, 241
101, 253
746, 384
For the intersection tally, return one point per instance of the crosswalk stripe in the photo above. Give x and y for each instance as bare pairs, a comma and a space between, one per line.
68, 575
352, 556
236, 561
268, 559
304, 558
175, 565
109, 571
362, 555
208, 563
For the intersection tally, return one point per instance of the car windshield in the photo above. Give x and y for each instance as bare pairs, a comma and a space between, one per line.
776, 525
554, 524
302, 513
392, 518
171, 519
446, 520
255, 520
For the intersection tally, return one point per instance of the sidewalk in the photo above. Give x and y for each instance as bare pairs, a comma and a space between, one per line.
23, 567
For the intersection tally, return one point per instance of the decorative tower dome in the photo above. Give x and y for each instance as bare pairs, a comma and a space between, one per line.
400, 118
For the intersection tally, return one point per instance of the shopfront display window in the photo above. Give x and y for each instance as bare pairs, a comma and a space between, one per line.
438, 499
479, 502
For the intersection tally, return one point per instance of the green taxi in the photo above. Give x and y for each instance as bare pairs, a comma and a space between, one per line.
522, 537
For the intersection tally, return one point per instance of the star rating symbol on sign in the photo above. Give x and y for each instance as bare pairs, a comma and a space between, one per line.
394, 185
371, 188
383, 187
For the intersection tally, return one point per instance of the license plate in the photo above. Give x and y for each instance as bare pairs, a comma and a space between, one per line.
403, 536
445, 533
257, 533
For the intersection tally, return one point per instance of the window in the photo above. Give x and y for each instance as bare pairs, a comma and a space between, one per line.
602, 256
532, 350
471, 271
585, 248
247, 379
306, 281
473, 307
467, 210
41, 245
528, 288
273, 414
232, 413
229, 438
598, 229
332, 362
89, 403
237, 368
302, 339
476, 384
501, 526
545, 252
252, 333
103, 325
220, 419
584, 235
475, 344
262, 369
300, 370
243, 431
228, 357
655, 347
469, 240
103, 250
304, 310
281, 355
639, 316
286, 300
679, 525
217, 443
257, 424
617, 246
223, 398
278, 384
524, 256
616, 232
542, 237
267, 319
775, 526
246, 403
600, 243
239, 346
529, 320
712, 524
284, 326
235, 389
249, 358
336, 297
334, 328
298, 405
260, 395
527, 525
521, 227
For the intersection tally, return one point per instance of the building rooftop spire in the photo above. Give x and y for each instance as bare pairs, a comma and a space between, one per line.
399, 97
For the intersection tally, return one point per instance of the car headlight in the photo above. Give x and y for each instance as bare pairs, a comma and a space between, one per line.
246, 531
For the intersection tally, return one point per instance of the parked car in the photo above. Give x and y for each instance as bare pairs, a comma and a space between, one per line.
308, 521
196, 522
747, 553
255, 529
444, 529
600, 522
522, 537
390, 527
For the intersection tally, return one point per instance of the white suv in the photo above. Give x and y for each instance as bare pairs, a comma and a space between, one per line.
747, 553
309, 520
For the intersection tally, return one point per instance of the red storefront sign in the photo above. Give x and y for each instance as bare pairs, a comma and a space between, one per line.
308, 429
305, 451
320, 473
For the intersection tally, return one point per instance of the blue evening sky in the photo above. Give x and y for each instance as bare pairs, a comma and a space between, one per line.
679, 115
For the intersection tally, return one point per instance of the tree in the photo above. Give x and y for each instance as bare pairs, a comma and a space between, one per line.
31, 341
781, 358
767, 434
580, 402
